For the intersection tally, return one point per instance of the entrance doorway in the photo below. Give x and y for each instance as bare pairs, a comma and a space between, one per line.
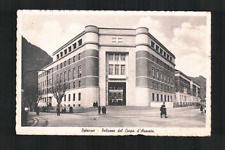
117, 93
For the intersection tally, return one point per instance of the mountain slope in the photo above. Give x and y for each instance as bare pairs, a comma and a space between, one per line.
33, 59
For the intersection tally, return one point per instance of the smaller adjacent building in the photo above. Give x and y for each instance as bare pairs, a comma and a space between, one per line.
187, 90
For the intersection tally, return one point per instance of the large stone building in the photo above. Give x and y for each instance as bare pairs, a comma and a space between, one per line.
187, 90
113, 66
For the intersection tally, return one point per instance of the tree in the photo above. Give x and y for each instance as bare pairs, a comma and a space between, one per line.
59, 91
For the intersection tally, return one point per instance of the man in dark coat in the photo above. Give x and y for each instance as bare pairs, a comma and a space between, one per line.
163, 110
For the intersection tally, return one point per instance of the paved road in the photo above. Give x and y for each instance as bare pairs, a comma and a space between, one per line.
124, 116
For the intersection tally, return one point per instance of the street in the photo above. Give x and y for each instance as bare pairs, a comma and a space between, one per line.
122, 116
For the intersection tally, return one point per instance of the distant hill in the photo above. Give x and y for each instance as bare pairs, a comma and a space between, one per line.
33, 59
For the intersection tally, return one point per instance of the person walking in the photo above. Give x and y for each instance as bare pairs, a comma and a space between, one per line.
163, 110
201, 109
99, 109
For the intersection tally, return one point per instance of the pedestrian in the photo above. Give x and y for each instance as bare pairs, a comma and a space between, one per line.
37, 110
201, 108
99, 109
163, 110
58, 110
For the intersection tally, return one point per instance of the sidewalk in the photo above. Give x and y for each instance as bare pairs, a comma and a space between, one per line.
123, 116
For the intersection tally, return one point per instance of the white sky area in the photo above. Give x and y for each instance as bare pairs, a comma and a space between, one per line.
185, 36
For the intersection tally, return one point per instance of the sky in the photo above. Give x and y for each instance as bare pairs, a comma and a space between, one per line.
186, 35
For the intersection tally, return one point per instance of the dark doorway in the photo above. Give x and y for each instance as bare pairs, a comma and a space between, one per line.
117, 93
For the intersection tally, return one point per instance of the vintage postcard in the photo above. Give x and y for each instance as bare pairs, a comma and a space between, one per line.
113, 73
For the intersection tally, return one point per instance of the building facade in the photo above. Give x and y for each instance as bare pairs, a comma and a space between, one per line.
187, 90
113, 66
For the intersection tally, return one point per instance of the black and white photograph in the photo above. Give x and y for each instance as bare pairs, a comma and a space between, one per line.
113, 73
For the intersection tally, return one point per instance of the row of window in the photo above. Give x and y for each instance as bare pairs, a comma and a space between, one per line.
69, 49
162, 87
160, 97
66, 76
68, 62
44, 91
117, 57
71, 106
160, 76
161, 63
61, 65
72, 97
161, 51
184, 80
117, 69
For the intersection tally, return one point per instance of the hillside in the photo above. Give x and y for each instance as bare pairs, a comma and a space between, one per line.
33, 59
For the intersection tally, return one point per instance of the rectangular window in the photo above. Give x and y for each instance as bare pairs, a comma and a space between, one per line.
123, 57
116, 69
80, 42
65, 51
58, 56
60, 65
57, 77
74, 46
74, 97
153, 71
61, 76
64, 76
74, 73
157, 74
79, 83
117, 56
57, 67
122, 69
74, 58
111, 69
161, 97
157, 97
153, 97
69, 75
68, 61
69, 49
69, 97
169, 99
167, 56
161, 51
165, 98
152, 44
65, 98
61, 54
79, 56
157, 48
79, 96
79, 71
64, 63
74, 84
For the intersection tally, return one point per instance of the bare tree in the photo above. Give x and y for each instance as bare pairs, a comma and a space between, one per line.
59, 91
